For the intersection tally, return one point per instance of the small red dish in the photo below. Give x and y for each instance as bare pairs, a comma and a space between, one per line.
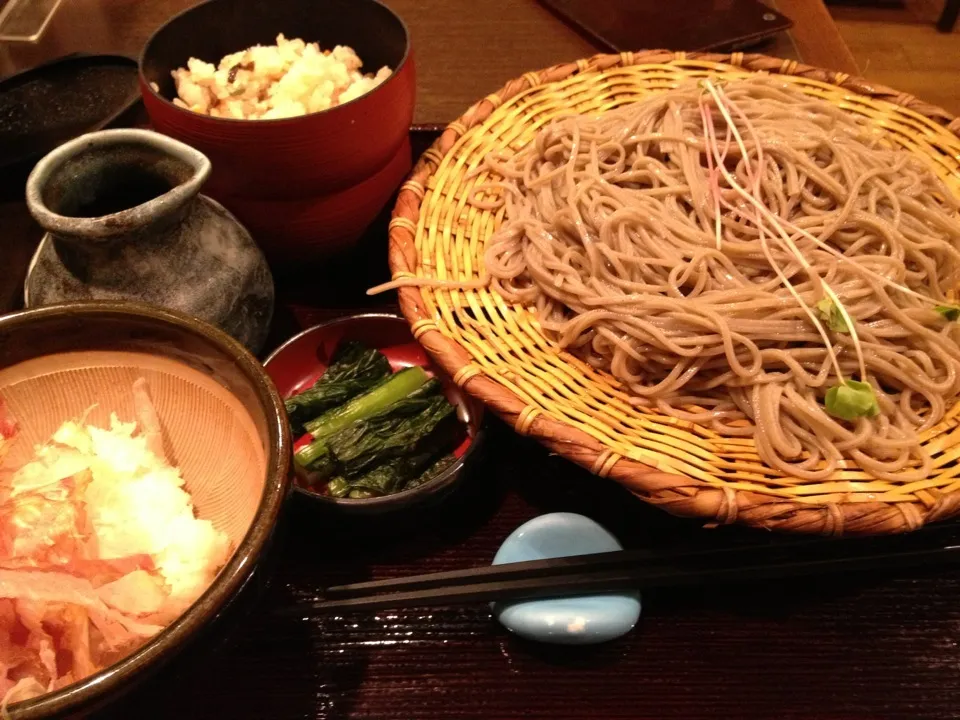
297, 364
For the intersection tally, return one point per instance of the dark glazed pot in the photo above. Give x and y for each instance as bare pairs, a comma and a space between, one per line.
125, 220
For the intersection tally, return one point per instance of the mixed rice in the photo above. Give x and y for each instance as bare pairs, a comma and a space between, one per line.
274, 81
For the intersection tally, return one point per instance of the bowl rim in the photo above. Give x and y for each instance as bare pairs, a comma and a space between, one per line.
438, 483
146, 88
95, 228
234, 575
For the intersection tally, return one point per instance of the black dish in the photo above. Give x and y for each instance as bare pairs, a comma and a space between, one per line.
45, 106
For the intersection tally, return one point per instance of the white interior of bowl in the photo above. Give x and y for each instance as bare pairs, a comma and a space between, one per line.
208, 433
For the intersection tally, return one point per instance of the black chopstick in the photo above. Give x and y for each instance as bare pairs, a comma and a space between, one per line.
794, 550
493, 573
576, 578
466, 594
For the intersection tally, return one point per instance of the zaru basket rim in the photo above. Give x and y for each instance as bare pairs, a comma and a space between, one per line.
497, 353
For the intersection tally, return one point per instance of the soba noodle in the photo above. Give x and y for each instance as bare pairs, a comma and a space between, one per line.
730, 253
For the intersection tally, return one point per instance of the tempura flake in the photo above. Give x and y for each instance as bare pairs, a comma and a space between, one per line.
99, 550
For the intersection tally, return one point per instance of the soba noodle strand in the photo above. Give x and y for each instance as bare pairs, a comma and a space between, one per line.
691, 268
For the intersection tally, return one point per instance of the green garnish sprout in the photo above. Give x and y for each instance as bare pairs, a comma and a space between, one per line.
832, 316
852, 399
949, 312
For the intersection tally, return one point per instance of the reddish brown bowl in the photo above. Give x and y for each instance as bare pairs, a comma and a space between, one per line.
293, 231
315, 157
295, 157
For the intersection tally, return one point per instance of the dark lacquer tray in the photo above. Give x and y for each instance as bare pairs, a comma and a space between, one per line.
868, 646
45, 106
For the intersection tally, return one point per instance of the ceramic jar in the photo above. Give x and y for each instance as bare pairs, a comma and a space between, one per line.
125, 219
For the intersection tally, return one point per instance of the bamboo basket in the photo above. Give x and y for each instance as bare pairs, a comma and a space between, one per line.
496, 351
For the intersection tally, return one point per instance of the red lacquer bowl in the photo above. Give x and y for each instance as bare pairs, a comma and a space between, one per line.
299, 159
292, 231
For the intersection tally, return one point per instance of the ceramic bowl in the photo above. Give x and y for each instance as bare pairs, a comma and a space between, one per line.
297, 364
65, 361
298, 159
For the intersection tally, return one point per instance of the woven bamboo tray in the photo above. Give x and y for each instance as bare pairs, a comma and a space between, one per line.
496, 351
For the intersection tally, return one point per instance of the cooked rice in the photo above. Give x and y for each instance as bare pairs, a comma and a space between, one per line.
266, 82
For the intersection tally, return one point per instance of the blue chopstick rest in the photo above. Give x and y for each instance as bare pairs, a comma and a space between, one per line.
574, 620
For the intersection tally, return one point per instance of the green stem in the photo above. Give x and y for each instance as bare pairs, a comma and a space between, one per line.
309, 454
391, 390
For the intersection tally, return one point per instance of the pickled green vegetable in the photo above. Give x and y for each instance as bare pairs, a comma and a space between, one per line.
381, 396
353, 370
376, 433
420, 423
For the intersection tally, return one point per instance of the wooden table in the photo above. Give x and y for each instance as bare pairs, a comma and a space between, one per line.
848, 648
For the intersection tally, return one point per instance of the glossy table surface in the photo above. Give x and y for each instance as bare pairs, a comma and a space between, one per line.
853, 648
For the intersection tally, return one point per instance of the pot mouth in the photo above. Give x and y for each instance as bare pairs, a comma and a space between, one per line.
112, 182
